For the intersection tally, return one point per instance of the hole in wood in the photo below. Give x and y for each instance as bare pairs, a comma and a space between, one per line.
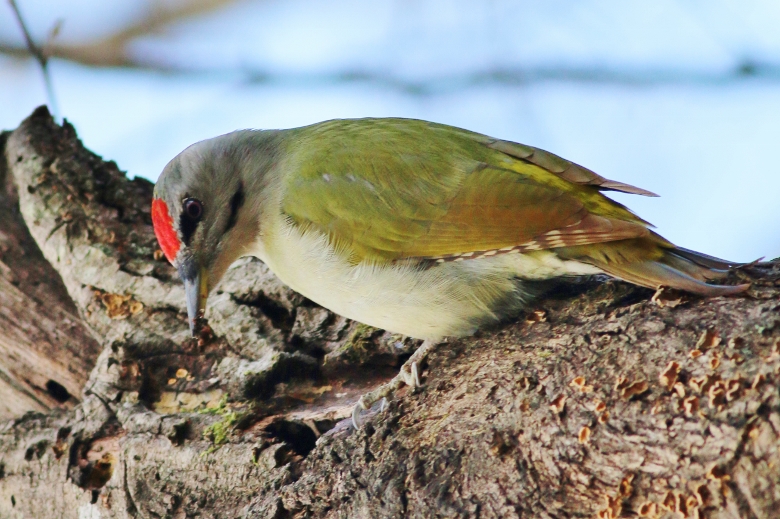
57, 391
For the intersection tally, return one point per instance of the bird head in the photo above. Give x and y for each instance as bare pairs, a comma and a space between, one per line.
200, 215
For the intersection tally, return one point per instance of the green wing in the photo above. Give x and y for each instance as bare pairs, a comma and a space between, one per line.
389, 189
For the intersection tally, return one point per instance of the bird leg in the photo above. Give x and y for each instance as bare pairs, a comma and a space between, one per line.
409, 375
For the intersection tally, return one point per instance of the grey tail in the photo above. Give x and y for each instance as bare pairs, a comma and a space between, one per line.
646, 262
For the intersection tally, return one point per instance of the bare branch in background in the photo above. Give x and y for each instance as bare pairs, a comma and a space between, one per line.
113, 50
40, 56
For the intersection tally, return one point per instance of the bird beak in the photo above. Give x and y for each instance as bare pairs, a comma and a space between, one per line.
196, 289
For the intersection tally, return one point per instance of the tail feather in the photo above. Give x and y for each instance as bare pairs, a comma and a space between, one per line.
645, 262
654, 274
704, 260
692, 268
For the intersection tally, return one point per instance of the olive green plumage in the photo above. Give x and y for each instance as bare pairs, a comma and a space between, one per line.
391, 189
369, 216
396, 188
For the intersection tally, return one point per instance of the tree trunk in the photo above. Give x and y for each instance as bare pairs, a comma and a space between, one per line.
602, 402
47, 352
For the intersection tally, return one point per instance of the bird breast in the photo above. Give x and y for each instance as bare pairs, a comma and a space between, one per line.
422, 300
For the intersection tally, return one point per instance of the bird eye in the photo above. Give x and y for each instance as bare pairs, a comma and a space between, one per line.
193, 208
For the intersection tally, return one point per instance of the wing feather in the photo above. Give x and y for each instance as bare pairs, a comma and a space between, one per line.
563, 168
389, 189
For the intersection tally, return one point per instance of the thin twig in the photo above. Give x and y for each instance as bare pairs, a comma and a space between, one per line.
112, 50
40, 57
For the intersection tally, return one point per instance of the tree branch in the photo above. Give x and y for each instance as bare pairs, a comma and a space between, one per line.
112, 51
40, 56
601, 403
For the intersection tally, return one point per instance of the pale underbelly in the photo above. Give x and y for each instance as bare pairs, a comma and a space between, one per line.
447, 299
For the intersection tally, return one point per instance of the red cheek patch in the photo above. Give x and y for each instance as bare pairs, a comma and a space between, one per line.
163, 229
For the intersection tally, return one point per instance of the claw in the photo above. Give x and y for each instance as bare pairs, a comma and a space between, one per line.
415, 376
410, 378
357, 422
359, 407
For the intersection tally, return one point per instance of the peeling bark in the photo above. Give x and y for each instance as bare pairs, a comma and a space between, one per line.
602, 403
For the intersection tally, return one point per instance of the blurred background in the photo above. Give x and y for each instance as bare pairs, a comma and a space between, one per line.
681, 97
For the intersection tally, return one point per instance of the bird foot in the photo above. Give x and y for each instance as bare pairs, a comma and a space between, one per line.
409, 375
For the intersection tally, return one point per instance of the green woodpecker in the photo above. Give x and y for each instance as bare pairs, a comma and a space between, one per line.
418, 228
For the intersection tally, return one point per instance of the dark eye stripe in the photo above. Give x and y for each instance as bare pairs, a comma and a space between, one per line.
235, 204
188, 224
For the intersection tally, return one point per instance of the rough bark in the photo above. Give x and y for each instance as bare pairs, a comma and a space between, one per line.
47, 351
603, 402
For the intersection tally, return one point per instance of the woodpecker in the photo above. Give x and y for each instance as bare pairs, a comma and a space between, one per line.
418, 228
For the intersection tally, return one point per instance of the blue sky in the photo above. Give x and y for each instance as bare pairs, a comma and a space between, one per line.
679, 97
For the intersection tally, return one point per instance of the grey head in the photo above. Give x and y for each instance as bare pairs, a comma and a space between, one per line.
200, 211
